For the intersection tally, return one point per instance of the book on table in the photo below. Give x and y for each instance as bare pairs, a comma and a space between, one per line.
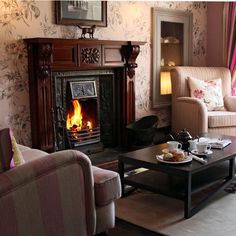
219, 143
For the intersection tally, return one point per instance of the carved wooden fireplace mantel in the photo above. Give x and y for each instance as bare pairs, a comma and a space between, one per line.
47, 55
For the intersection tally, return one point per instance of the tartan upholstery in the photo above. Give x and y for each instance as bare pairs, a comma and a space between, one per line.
105, 186
52, 195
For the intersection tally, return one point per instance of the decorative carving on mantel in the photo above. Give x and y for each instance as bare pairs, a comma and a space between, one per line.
90, 55
45, 52
131, 52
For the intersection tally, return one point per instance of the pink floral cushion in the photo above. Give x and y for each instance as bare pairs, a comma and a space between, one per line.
209, 91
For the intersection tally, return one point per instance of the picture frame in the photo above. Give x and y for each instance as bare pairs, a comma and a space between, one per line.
84, 89
81, 13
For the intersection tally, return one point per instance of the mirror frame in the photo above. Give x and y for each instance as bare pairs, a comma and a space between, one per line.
172, 16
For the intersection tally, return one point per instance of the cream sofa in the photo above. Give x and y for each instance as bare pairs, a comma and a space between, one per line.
57, 194
191, 113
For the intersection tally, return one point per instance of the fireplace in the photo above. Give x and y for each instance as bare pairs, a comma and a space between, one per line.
86, 108
94, 76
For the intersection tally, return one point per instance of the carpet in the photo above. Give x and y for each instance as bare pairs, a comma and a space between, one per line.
164, 215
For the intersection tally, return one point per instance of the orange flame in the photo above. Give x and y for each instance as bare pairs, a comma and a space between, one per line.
74, 119
89, 125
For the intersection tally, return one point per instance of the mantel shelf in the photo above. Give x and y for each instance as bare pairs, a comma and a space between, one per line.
84, 41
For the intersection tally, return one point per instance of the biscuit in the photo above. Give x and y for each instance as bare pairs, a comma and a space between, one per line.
168, 156
179, 156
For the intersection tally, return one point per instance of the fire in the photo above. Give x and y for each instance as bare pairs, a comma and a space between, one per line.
74, 119
89, 125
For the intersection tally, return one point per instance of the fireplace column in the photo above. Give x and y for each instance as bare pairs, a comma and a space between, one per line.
130, 53
40, 96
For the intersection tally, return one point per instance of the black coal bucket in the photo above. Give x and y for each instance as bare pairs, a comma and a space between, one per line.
142, 131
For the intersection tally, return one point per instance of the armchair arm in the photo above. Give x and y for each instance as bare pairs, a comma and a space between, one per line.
190, 113
54, 193
107, 186
230, 103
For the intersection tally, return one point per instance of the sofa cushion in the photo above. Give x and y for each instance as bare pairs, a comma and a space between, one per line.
106, 185
221, 119
30, 154
10, 155
209, 91
23, 148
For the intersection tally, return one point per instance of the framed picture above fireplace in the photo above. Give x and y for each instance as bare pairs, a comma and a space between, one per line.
81, 13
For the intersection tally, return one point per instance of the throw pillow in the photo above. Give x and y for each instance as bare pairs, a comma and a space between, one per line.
17, 158
209, 91
10, 155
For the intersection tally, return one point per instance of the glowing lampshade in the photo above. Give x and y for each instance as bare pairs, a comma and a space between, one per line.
165, 83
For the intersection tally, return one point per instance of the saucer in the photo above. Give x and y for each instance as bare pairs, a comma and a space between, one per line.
195, 152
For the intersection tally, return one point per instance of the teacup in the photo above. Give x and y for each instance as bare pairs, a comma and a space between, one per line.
203, 147
173, 145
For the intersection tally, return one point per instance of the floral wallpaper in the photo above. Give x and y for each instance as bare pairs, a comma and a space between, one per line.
127, 20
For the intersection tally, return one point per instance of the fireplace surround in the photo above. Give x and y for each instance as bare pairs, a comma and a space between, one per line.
60, 70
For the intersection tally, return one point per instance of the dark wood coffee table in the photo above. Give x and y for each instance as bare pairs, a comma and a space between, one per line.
180, 181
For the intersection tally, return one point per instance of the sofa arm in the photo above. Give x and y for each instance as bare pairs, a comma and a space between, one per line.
54, 193
230, 103
190, 113
107, 186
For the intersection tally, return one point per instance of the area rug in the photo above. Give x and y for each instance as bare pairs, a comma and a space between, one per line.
164, 215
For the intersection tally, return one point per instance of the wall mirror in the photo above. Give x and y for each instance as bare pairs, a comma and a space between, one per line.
172, 46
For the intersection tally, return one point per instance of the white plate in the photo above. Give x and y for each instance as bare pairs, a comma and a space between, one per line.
160, 158
195, 152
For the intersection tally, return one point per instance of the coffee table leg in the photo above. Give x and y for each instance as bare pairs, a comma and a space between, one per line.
188, 197
121, 172
231, 168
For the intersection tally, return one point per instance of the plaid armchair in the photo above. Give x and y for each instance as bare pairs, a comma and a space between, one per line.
57, 194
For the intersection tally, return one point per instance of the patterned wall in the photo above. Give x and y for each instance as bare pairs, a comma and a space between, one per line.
127, 20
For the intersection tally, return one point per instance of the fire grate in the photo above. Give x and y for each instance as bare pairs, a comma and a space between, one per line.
83, 137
